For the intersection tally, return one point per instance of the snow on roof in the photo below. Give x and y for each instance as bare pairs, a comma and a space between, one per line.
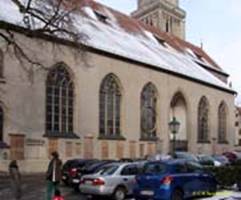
9, 12
121, 35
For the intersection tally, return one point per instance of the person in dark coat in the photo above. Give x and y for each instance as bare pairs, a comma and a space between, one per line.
15, 178
53, 175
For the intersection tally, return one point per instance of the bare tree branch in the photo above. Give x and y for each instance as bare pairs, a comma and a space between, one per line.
50, 17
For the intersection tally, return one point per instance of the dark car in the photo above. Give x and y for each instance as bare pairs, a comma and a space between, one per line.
72, 168
89, 168
172, 180
232, 156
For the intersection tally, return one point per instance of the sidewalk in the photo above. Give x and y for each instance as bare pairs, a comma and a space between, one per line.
226, 195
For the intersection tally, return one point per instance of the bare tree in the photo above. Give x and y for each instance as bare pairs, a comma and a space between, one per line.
49, 17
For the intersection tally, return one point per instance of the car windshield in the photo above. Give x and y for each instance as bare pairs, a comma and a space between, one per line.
221, 158
206, 158
154, 168
108, 170
194, 167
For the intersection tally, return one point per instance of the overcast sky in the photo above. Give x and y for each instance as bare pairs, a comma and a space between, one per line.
217, 23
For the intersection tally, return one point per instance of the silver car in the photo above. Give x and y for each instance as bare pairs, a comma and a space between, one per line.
116, 180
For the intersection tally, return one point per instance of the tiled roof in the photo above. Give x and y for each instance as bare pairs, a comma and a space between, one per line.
111, 31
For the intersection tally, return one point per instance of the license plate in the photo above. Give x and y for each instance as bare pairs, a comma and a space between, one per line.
76, 181
88, 182
147, 192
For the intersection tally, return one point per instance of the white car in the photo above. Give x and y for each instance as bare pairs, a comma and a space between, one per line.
116, 180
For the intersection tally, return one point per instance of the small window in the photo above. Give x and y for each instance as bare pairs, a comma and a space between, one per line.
102, 17
167, 26
108, 170
236, 123
240, 132
239, 143
194, 167
198, 56
181, 168
161, 41
154, 168
130, 170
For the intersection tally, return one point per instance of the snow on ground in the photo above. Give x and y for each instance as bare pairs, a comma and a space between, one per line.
225, 195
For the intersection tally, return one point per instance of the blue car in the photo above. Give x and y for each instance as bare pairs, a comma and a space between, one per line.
173, 180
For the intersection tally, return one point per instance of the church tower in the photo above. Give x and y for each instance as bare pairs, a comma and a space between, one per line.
163, 14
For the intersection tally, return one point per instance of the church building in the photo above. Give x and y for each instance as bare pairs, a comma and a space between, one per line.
116, 98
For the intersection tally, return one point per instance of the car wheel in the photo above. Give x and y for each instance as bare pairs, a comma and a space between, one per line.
177, 195
119, 193
76, 188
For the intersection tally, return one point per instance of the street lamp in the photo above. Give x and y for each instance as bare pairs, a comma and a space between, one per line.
174, 126
214, 145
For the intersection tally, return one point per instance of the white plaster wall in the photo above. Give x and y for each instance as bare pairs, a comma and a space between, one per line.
25, 100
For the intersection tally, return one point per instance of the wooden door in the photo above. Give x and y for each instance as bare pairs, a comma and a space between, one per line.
53, 146
17, 147
88, 147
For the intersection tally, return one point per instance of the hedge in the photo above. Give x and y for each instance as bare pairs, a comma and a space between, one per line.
226, 175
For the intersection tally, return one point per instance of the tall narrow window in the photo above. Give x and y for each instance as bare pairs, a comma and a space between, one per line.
1, 123
148, 111
1, 63
60, 97
203, 117
222, 123
110, 107
167, 26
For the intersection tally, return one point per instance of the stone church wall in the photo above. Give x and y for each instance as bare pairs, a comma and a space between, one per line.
23, 96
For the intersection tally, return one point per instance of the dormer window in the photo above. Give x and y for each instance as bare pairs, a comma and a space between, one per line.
161, 41
101, 16
199, 56
191, 53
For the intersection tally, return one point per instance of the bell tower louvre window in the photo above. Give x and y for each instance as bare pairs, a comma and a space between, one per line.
169, 17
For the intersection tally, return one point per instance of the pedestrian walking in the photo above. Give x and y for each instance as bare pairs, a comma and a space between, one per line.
15, 178
53, 175
58, 195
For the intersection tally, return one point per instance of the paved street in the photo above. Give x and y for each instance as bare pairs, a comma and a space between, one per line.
34, 189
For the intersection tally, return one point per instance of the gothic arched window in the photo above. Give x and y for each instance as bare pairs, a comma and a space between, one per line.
148, 111
203, 120
110, 107
222, 123
60, 100
1, 63
1, 123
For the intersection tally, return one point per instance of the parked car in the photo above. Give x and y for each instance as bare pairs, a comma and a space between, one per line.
222, 159
72, 169
173, 180
207, 160
232, 156
115, 180
88, 168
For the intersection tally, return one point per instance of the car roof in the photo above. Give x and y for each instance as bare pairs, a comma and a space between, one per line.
173, 161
